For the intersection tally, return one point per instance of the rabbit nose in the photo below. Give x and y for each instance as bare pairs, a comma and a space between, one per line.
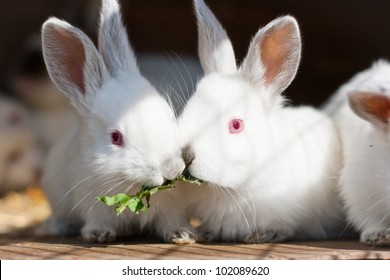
188, 155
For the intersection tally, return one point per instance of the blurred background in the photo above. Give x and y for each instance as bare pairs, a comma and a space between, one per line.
340, 38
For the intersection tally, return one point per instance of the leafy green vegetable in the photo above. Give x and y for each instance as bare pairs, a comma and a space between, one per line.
187, 177
136, 202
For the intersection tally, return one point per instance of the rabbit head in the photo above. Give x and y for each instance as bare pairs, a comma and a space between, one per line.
226, 124
126, 127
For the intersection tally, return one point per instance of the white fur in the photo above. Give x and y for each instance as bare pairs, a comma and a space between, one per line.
19, 157
215, 49
111, 96
365, 178
276, 179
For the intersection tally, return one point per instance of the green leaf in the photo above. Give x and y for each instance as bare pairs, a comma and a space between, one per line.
137, 205
135, 202
122, 198
187, 177
109, 200
119, 209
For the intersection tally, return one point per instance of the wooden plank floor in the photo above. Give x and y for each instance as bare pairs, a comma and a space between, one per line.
58, 248
19, 211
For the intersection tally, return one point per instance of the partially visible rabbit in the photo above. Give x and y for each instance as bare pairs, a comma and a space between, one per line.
269, 170
19, 157
361, 111
127, 134
51, 113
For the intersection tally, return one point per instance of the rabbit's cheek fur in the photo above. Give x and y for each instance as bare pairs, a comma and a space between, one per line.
219, 156
150, 150
227, 161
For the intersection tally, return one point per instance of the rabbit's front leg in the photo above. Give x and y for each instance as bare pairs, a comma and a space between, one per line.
264, 236
100, 225
376, 237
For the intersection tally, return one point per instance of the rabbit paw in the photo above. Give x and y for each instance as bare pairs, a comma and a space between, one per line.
99, 235
378, 238
266, 236
182, 237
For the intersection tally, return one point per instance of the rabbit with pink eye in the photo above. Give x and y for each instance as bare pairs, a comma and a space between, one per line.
20, 159
127, 134
269, 170
361, 111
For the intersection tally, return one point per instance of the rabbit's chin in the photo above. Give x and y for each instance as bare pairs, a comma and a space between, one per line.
148, 179
154, 181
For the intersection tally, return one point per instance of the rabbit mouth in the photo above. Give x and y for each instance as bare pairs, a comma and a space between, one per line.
188, 177
152, 182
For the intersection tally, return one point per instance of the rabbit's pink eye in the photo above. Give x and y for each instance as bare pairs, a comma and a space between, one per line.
117, 138
236, 125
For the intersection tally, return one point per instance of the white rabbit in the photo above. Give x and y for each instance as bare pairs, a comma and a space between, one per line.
19, 156
127, 134
361, 111
270, 171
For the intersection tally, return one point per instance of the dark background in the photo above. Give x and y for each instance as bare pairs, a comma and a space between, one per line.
340, 38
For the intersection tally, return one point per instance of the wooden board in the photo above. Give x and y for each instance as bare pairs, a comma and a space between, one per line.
63, 249
21, 211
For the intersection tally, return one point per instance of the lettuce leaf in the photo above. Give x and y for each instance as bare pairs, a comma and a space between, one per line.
140, 202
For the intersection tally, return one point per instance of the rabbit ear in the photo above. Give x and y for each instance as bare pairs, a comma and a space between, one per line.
371, 106
72, 61
113, 41
215, 49
274, 55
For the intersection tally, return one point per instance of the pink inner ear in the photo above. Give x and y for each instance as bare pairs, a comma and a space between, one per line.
71, 54
275, 50
373, 104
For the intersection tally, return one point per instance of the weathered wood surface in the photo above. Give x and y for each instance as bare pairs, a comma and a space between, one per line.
23, 210
64, 249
